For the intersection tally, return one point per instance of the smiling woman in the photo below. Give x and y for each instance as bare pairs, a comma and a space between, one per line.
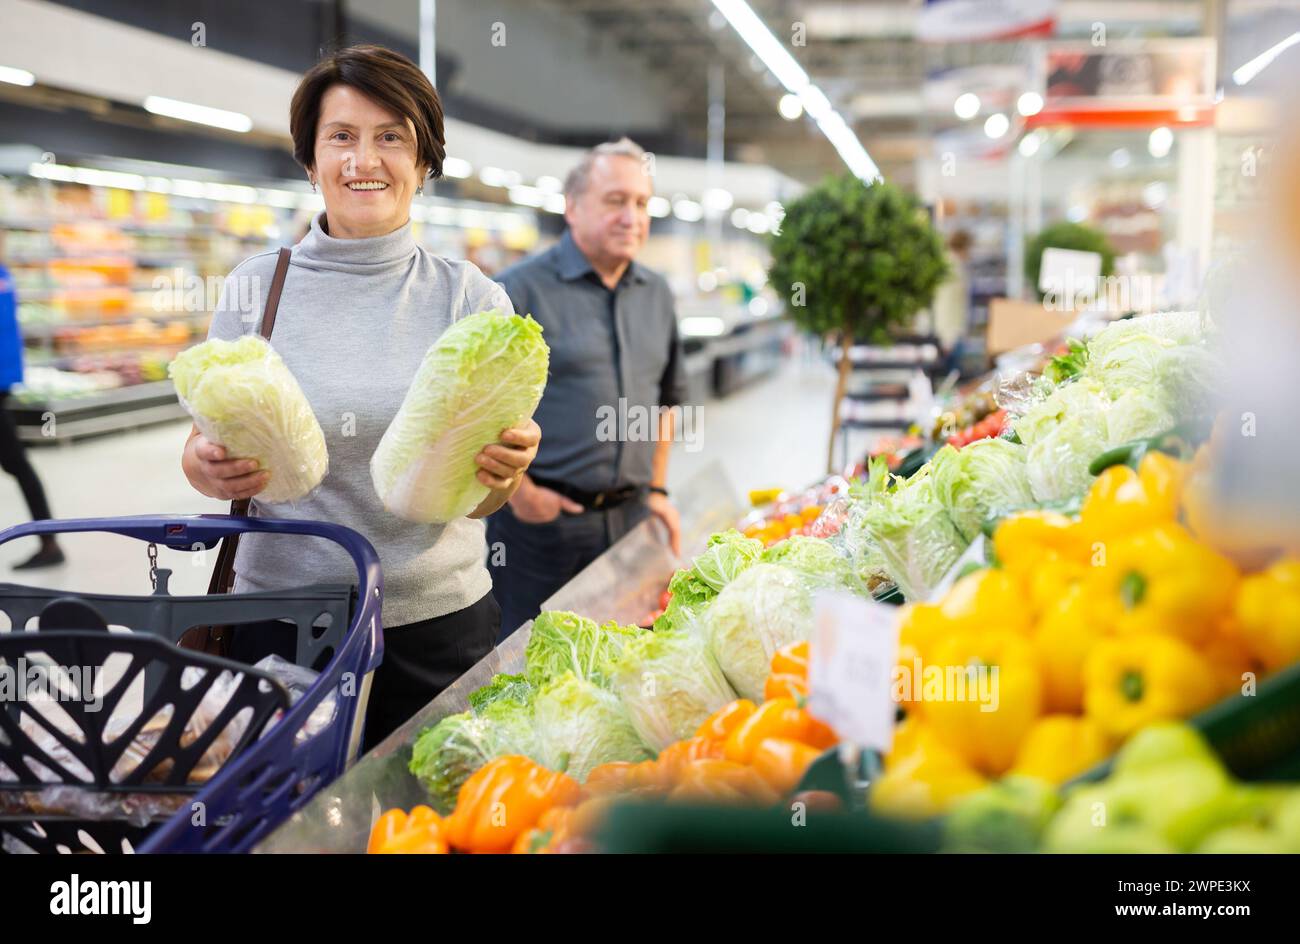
362, 301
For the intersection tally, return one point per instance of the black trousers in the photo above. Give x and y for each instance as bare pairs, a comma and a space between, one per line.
530, 562
420, 659
13, 460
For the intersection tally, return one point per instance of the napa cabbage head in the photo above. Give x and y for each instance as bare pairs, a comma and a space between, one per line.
669, 683
484, 375
727, 555
914, 535
1137, 414
983, 479
1083, 396
822, 562
447, 754
561, 642
243, 397
581, 725
765, 608
1057, 463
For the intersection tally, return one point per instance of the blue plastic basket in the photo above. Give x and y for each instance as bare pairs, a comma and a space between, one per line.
260, 785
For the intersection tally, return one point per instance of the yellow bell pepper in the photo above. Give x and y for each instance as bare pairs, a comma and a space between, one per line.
1059, 747
1133, 681
986, 601
1066, 634
1162, 581
1023, 542
1268, 614
1122, 501
992, 694
922, 776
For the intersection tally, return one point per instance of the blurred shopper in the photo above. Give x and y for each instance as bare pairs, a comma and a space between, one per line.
13, 456
362, 302
612, 329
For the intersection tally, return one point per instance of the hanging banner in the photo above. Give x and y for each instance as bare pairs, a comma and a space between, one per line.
1126, 83
966, 21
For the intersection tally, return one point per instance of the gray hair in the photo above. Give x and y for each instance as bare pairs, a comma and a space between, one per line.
580, 176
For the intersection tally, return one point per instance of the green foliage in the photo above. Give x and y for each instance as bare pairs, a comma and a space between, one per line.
866, 257
1066, 236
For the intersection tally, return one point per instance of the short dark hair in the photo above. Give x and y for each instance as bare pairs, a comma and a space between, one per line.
388, 77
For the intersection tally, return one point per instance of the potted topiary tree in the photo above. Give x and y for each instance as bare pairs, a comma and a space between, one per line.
855, 261
1065, 235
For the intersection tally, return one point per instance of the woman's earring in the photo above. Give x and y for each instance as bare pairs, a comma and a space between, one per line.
419, 191
313, 184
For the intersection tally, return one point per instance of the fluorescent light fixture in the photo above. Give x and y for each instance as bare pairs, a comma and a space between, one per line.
967, 106
1261, 62
688, 211
779, 62
496, 177
1030, 103
16, 76
548, 184
1030, 144
790, 107
739, 217
702, 326
1160, 141
718, 200
996, 125
527, 196
659, 207
456, 167
199, 114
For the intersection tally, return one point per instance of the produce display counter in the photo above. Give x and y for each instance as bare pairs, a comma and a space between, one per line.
623, 584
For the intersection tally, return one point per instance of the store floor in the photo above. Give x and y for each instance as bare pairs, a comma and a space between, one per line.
770, 434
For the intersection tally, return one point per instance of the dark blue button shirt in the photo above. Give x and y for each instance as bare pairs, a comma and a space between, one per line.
606, 346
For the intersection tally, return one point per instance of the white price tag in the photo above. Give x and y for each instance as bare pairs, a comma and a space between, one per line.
975, 554
852, 654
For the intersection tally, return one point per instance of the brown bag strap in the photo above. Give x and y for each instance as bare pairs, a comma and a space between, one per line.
223, 575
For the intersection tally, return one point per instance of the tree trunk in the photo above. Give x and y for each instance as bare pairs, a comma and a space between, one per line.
841, 385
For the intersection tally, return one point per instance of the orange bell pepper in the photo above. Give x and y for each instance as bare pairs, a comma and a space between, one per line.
419, 832
504, 799
785, 685
726, 719
675, 756
780, 717
791, 658
612, 777
722, 781
782, 763
554, 826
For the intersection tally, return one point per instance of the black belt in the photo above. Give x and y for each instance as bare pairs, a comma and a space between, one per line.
592, 501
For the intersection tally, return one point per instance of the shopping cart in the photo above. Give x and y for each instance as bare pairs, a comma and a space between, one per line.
269, 771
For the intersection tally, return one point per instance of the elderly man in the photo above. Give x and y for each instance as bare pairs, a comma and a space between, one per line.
612, 330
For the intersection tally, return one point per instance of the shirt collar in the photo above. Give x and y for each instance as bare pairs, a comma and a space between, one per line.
571, 264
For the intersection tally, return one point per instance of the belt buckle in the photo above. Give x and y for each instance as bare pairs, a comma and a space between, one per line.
600, 500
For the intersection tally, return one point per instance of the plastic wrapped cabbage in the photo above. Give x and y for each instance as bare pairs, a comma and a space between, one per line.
445, 755
669, 683
561, 642
502, 687
1179, 327
915, 535
1136, 414
243, 397
581, 725
765, 608
820, 561
484, 375
980, 480
1085, 396
727, 555
1057, 463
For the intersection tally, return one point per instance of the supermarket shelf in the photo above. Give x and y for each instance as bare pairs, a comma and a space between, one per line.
43, 331
39, 224
93, 414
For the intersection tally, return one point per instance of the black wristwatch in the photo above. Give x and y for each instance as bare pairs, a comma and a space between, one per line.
659, 490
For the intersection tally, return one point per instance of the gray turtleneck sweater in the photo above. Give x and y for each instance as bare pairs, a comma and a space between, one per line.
355, 319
